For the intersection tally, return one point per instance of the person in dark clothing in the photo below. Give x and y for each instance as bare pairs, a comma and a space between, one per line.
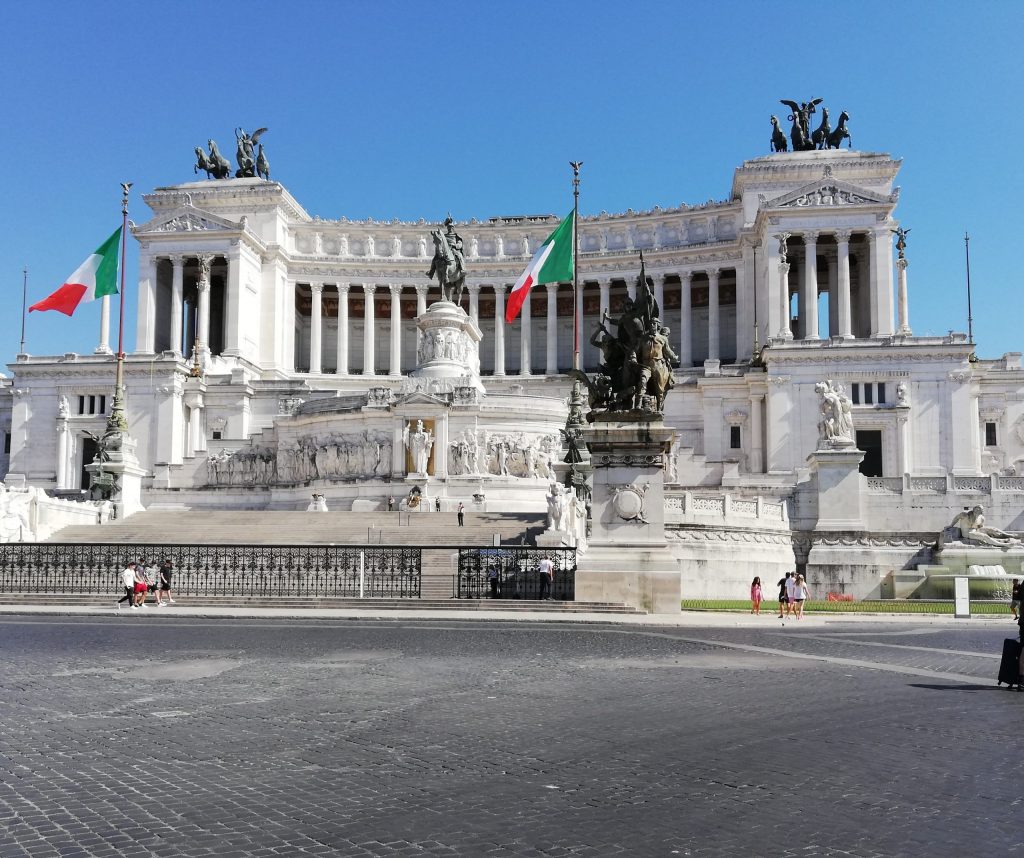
784, 606
462, 512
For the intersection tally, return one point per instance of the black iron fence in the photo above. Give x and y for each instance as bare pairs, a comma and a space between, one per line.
342, 571
514, 573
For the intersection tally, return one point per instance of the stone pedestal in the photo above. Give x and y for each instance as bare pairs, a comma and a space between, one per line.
449, 345
838, 484
123, 466
628, 559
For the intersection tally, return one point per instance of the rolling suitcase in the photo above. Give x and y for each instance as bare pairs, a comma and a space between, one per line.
1009, 666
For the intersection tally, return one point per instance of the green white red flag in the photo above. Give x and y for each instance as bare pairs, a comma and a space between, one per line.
552, 263
93, 279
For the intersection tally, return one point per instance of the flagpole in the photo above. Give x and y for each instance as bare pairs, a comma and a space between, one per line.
117, 421
24, 302
576, 310
970, 318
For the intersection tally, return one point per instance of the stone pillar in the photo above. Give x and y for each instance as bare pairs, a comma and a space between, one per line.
631, 287
756, 440
499, 328
604, 287
395, 366
833, 299
714, 326
745, 303
525, 318
145, 332
881, 282
659, 294
837, 481
342, 345
195, 429
316, 329
904, 311
474, 303
686, 320
62, 452
810, 287
784, 330
203, 310
369, 289
845, 315
177, 300
552, 343
103, 348
233, 302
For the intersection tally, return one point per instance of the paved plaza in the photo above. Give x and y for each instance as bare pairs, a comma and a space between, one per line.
175, 736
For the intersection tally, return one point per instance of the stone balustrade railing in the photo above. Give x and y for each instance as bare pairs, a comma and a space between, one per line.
725, 509
948, 484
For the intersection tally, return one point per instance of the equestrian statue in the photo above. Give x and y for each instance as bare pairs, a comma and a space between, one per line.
448, 264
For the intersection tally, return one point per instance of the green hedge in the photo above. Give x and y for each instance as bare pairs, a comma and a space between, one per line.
875, 606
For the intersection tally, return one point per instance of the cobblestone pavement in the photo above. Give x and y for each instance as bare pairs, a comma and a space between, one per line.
120, 736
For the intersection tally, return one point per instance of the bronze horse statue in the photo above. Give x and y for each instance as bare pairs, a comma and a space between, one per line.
446, 267
820, 136
778, 142
262, 165
215, 165
836, 138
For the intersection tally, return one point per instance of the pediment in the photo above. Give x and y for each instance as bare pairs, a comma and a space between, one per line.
419, 399
188, 219
828, 192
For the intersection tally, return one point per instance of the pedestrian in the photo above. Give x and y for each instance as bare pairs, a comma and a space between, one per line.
800, 594
547, 573
784, 595
756, 596
462, 514
1015, 597
437, 504
166, 571
791, 595
141, 583
128, 581
391, 503
493, 578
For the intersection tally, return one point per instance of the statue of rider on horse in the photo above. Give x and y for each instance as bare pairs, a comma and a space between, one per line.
448, 264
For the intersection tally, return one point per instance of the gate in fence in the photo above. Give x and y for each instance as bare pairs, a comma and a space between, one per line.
515, 571
340, 571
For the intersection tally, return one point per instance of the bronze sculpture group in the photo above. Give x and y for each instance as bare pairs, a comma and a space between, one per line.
823, 137
252, 161
449, 262
636, 369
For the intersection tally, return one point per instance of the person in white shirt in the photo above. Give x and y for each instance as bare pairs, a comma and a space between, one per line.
800, 594
128, 580
791, 595
547, 570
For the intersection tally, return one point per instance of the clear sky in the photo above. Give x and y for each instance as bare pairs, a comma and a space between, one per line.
408, 110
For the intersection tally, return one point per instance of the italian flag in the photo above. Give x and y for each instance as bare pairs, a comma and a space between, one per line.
93, 279
552, 263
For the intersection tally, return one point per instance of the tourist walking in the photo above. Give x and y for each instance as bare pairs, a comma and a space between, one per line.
164, 583
462, 514
437, 504
547, 573
128, 581
784, 584
1015, 597
756, 596
141, 584
391, 503
494, 577
800, 594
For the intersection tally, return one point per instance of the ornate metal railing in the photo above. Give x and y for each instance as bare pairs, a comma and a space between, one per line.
516, 570
340, 571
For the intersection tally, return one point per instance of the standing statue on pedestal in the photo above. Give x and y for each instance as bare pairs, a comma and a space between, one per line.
901, 240
448, 264
419, 444
245, 154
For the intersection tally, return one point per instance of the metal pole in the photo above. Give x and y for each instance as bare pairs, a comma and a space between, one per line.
117, 421
970, 318
576, 310
24, 301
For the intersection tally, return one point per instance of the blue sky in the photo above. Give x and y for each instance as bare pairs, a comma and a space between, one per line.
370, 116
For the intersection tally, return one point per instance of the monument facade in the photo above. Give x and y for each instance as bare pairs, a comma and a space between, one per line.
279, 353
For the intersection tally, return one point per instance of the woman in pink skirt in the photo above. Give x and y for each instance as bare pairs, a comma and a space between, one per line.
756, 596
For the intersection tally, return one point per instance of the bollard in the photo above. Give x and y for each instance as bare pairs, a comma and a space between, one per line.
961, 598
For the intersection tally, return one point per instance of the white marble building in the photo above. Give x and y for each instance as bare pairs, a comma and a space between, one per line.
299, 321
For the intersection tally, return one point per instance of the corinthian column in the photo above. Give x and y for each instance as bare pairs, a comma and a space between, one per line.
714, 325
552, 344
810, 320
315, 328
843, 268
177, 299
342, 345
474, 302
499, 328
203, 312
368, 322
525, 320
421, 308
904, 311
395, 367
686, 319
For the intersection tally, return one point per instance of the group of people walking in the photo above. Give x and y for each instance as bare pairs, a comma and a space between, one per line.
793, 593
139, 580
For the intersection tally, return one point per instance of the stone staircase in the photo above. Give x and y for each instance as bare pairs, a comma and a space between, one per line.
436, 533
